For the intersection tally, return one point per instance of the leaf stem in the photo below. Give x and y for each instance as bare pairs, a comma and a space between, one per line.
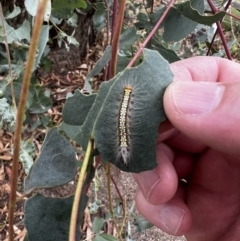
151, 33
21, 110
82, 175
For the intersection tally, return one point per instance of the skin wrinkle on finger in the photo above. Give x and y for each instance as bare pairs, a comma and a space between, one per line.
153, 187
159, 185
172, 217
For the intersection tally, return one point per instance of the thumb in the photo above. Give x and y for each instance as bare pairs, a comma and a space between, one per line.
208, 112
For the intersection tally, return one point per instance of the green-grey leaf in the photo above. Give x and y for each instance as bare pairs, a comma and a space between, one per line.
48, 218
167, 54
70, 130
128, 37
32, 6
64, 9
56, 164
101, 63
77, 107
142, 224
97, 224
40, 105
14, 13
99, 16
27, 152
144, 114
17, 92
186, 10
21, 33
86, 131
176, 26
42, 44
123, 61
104, 237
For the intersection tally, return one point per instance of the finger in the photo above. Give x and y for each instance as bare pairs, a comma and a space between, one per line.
203, 68
159, 185
172, 217
184, 143
206, 112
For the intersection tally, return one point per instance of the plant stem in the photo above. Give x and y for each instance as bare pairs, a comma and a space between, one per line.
21, 111
220, 31
108, 171
151, 34
82, 175
116, 37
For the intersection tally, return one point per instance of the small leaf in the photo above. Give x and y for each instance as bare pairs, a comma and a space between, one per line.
70, 130
48, 218
42, 44
7, 116
186, 10
176, 26
14, 13
41, 104
17, 92
64, 9
143, 22
167, 54
27, 152
101, 63
142, 224
99, 16
73, 20
32, 6
21, 33
105, 237
56, 164
123, 61
77, 107
128, 37
97, 224
87, 127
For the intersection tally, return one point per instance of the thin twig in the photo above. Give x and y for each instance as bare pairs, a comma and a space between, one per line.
21, 111
108, 167
220, 31
117, 189
77, 197
106, 71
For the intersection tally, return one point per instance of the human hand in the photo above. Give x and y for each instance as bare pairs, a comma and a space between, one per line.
203, 148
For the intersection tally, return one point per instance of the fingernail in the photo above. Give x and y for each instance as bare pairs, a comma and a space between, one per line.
147, 181
196, 98
172, 217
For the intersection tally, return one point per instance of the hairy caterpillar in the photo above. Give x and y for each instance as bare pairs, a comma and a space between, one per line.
125, 130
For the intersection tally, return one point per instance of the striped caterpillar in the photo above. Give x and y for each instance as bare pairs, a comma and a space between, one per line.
123, 130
